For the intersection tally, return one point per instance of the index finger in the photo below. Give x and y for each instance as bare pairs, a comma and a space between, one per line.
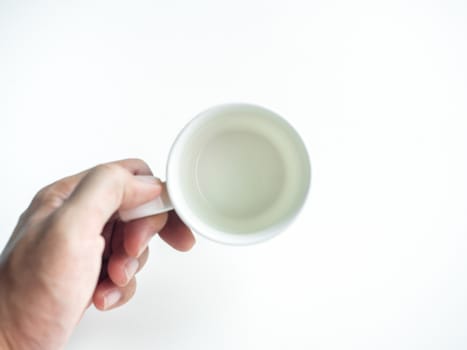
69, 183
102, 191
51, 197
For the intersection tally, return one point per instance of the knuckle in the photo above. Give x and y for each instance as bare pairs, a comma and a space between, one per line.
42, 194
115, 176
24, 216
111, 172
108, 168
47, 197
136, 162
62, 187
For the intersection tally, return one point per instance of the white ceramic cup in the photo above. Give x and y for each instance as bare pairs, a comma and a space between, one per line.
236, 174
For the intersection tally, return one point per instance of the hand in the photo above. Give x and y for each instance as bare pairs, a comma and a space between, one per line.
70, 250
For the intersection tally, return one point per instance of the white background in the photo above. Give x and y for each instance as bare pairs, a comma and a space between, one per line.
377, 89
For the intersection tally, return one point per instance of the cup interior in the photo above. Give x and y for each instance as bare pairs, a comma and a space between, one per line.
238, 173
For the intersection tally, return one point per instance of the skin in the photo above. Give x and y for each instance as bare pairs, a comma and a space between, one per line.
70, 250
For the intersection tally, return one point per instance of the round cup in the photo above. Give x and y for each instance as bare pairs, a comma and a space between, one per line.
236, 174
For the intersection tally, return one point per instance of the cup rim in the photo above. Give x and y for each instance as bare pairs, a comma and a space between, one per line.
187, 215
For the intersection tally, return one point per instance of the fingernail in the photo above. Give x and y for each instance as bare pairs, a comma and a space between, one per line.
144, 246
130, 268
148, 179
112, 298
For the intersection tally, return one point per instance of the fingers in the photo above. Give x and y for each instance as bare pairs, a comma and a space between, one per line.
120, 286
138, 233
130, 241
122, 268
134, 166
130, 254
128, 248
51, 197
107, 295
177, 234
64, 187
111, 228
102, 191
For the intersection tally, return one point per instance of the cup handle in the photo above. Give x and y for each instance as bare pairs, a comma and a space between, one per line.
158, 205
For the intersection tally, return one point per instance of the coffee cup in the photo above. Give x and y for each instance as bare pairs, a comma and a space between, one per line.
236, 174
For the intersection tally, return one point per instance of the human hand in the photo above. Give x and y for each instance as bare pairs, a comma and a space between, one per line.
70, 250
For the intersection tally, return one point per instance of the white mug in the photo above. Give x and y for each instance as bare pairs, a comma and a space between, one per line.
236, 174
